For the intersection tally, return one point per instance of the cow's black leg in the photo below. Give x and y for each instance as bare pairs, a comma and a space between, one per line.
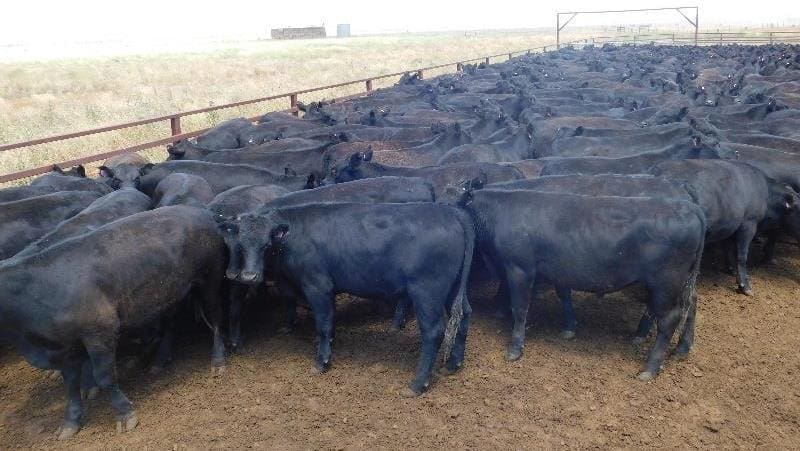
643, 330
456, 359
502, 303
668, 314
769, 247
518, 288
686, 341
399, 319
429, 314
71, 371
237, 294
743, 238
322, 305
103, 359
565, 295
89, 388
163, 355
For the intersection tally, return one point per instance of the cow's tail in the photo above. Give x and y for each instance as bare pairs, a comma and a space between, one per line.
460, 302
688, 294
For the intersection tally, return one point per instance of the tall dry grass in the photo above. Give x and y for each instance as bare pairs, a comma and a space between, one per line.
45, 98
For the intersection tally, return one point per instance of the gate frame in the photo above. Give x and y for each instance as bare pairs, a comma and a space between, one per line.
572, 14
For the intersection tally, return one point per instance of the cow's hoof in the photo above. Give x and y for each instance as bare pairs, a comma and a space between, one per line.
91, 393
67, 430
567, 334
322, 367
513, 354
638, 340
771, 261
681, 353
645, 376
409, 392
218, 370
127, 423
285, 330
52, 374
450, 369
395, 328
747, 291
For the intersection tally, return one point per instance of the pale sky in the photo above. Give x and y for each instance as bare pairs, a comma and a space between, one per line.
32, 21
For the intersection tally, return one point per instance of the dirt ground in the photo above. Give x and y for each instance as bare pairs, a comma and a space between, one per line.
738, 389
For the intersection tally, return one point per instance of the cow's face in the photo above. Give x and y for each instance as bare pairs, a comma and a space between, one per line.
249, 239
791, 208
123, 175
350, 169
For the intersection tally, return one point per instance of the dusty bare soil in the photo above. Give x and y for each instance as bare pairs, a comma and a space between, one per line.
738, 389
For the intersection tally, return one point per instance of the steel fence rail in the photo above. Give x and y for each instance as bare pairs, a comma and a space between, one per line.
174, 119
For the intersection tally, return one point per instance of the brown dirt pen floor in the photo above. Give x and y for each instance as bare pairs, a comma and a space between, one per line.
738, 389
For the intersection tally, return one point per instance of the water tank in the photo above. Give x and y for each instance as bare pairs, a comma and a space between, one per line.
343, 30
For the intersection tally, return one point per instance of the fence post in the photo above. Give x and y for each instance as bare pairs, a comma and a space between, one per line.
459, 67
487, 60
293, 104
673, 38
510, 56
420, 74
369, 85
175, 125
770, 38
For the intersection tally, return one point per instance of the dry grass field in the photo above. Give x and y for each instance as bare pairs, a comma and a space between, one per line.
42, 98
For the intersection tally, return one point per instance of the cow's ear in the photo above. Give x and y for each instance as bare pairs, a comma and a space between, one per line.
312, 181
289, 171
81, 170
355, 160
57, 168
105, 171
174, 151
146, 169
278, 233
367, 156
696, 141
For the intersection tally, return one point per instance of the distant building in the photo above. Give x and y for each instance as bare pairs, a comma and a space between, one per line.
298, 33
343, 30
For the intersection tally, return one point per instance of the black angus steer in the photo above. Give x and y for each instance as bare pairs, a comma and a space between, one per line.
71, 301
112, 206
24, 221
598, 244
443, 178
221, 177
388, 190
733, 197
59, 181
587, 185
635, 164
419, 251
182, 189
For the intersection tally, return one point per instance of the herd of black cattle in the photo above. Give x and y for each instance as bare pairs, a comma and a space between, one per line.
588, 170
